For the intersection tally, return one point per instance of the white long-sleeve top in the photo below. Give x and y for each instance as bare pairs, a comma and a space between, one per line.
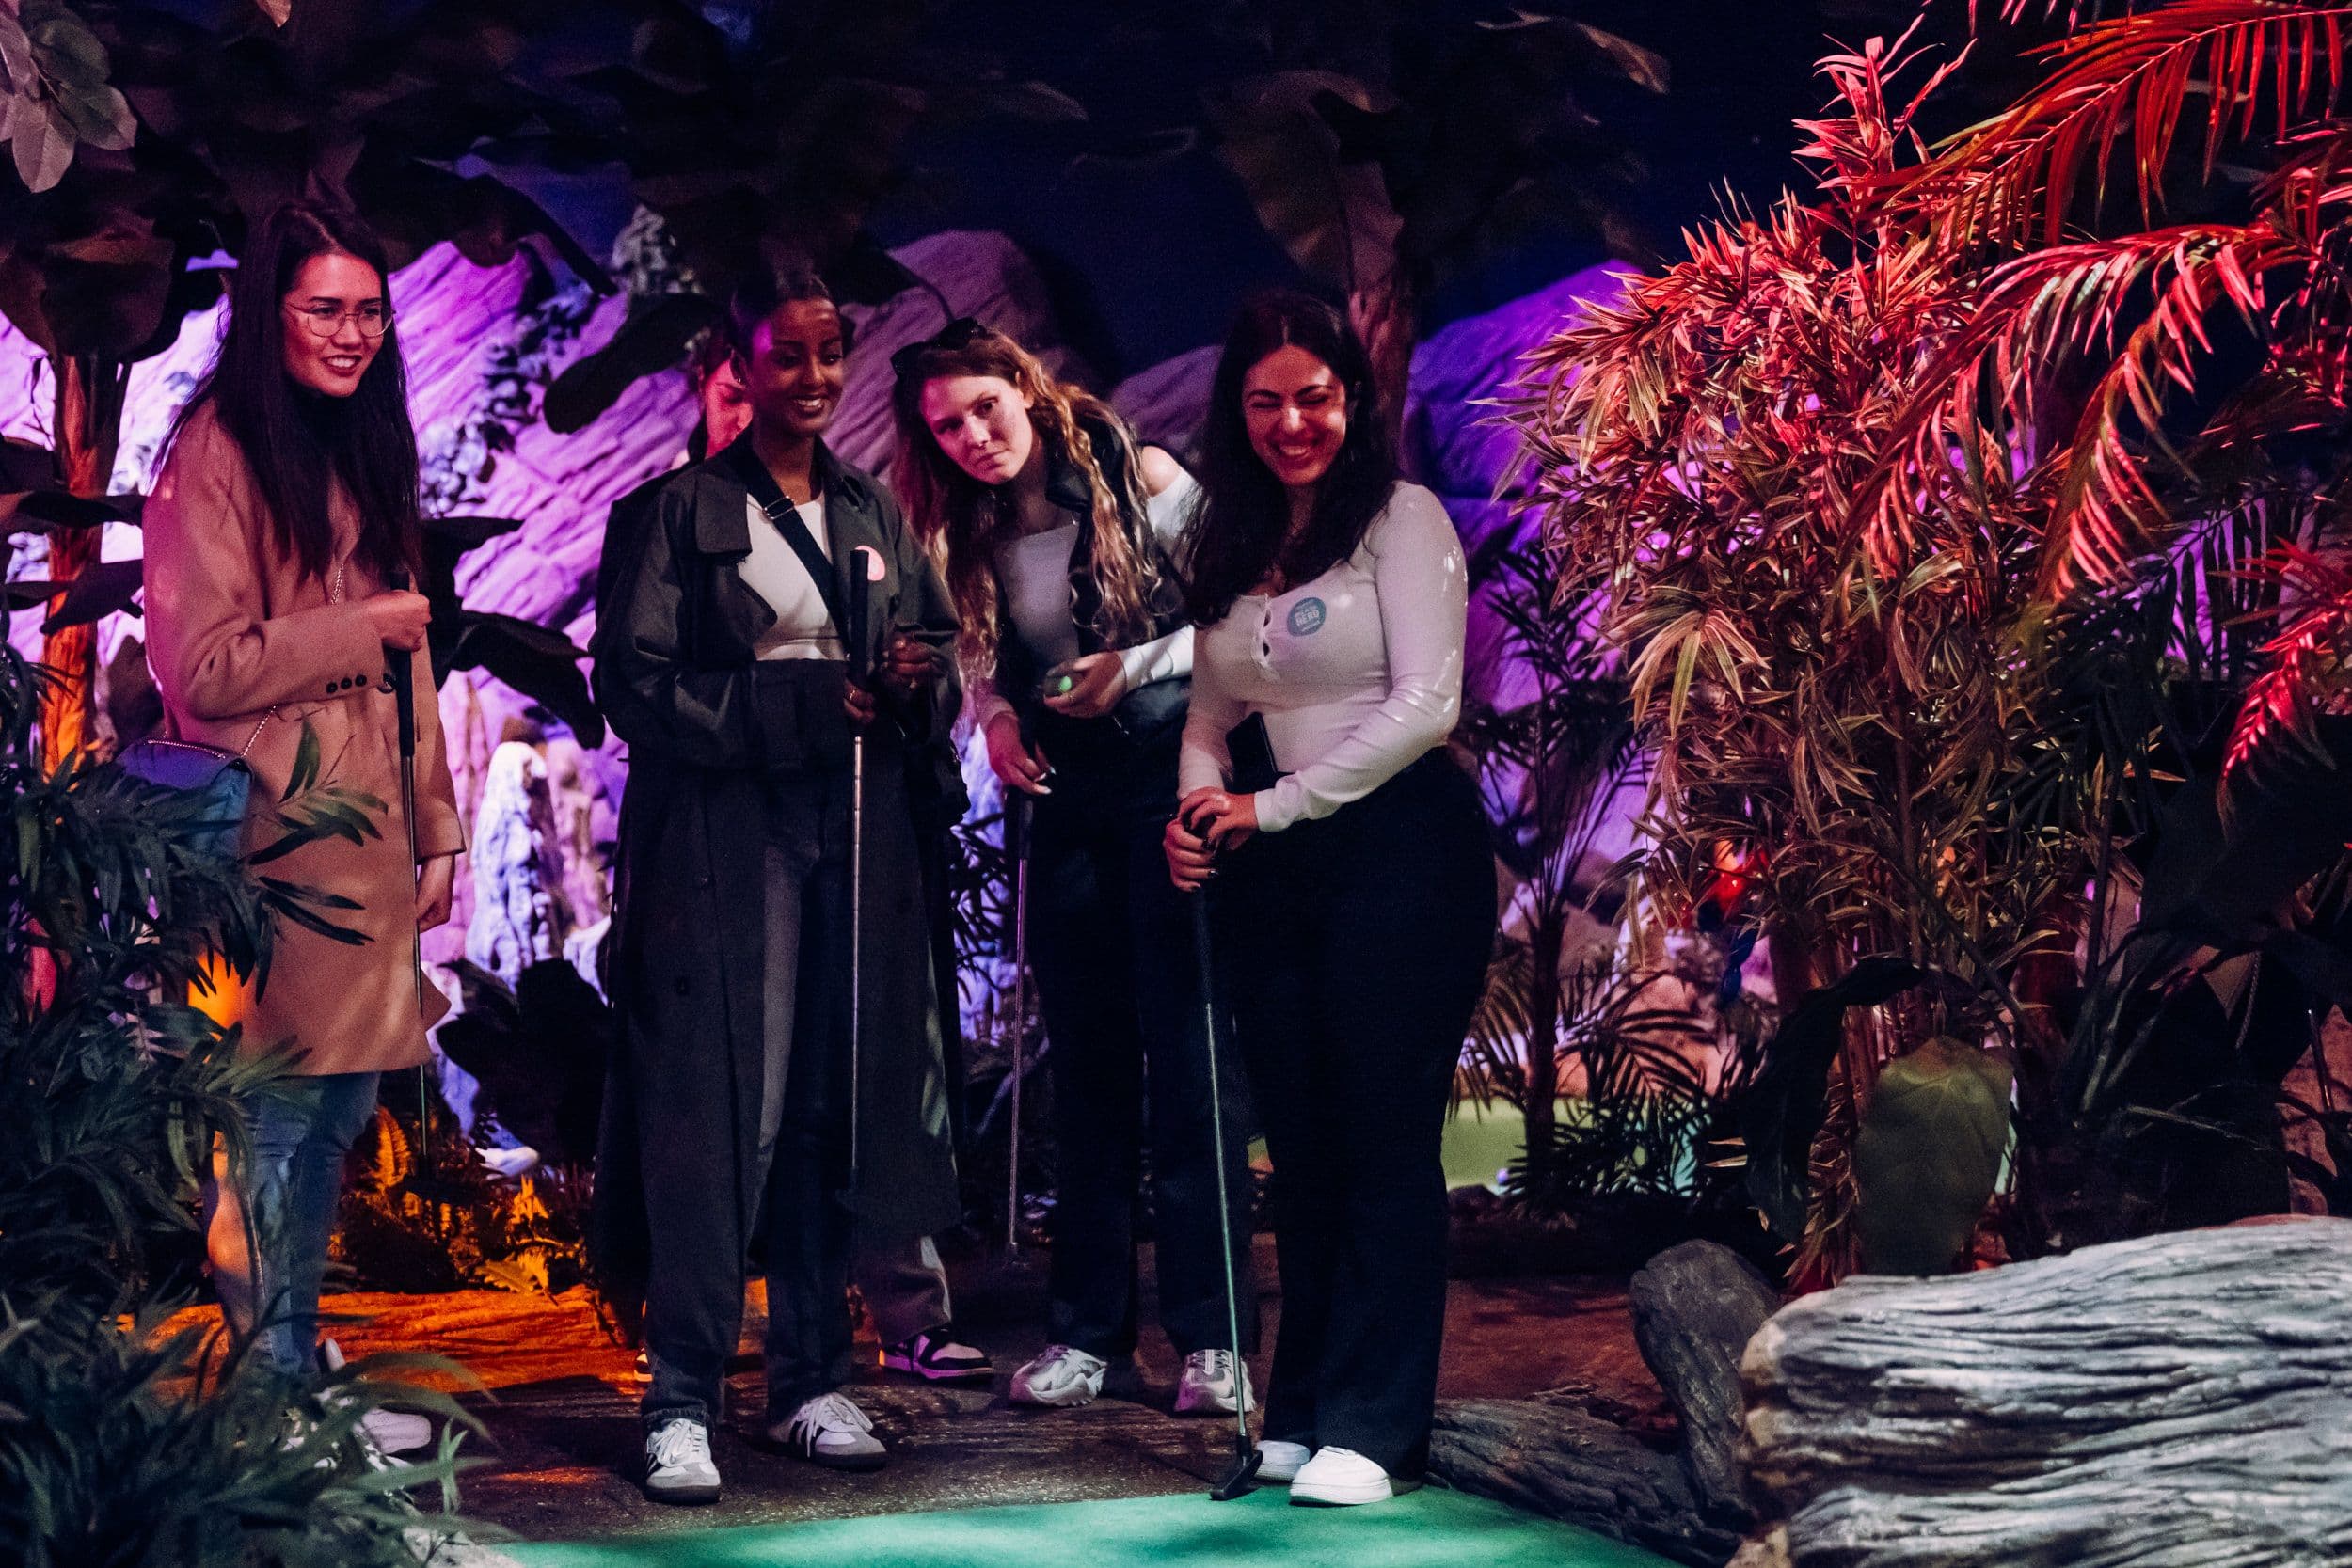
1163, 659
1357, 673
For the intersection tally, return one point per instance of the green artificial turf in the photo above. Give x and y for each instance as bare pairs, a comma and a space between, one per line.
1430, 1528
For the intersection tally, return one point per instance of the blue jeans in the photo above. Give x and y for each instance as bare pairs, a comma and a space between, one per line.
268, 1239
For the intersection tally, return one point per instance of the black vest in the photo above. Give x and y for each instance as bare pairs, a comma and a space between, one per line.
1151, 715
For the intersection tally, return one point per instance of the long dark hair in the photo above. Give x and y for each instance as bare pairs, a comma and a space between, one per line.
960, 520
1236, 535
297, 441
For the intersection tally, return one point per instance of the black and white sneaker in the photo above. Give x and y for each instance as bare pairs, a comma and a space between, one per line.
678, 1467
832, 1431
934, 1356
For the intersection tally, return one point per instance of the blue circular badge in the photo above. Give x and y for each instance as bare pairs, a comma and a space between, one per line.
1306, 617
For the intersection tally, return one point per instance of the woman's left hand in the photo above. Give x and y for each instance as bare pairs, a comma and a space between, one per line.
1097, 682
1222, 820
907, 667
435, 880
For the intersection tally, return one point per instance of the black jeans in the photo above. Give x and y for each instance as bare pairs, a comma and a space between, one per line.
694, 1294
1355, 946
1117, 980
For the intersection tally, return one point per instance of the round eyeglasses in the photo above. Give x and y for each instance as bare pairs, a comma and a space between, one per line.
324, 321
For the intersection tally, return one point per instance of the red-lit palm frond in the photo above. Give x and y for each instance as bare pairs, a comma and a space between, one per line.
2140, 309
1864, 149
2307, 665
2262, 67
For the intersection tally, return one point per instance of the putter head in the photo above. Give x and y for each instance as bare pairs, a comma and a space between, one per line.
1242, 1478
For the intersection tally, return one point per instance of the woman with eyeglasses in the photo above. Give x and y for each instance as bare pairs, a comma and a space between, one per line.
1356, 889
285, 512
1053, 524
735, 1104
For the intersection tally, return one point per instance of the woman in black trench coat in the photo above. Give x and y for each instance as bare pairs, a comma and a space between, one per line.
718, 660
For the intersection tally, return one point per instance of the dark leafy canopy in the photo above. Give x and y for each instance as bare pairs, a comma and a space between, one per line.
543, 665
781, 139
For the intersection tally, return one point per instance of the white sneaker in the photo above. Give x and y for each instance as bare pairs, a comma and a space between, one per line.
385, 1432
1278, 1463
396, 1431
1339, 1478
677, 1463
1059, 1377
830, 1430
1207, 1386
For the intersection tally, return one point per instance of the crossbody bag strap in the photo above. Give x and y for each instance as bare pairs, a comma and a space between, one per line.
785, 518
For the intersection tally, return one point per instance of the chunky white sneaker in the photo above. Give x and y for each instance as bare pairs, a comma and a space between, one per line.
1212, 1381
1339, 1478
1059, 1376
677, 1463
830, 1430
1278, 1463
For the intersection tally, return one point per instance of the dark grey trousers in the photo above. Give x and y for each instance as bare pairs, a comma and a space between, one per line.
695, 1305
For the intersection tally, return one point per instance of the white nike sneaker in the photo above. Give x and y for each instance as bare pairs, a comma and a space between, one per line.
830, 1430
1212, 1381
678, 1469
1059, 1377
1341, 1478
1278, 1463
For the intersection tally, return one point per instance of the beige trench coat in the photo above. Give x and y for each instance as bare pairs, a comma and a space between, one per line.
247, 653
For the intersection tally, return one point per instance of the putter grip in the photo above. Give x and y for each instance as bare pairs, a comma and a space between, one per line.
400, 664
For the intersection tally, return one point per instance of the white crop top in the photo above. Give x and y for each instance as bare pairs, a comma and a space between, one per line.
1359, 673
804, 628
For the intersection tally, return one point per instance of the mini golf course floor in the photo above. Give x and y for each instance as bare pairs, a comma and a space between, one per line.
1430, 1528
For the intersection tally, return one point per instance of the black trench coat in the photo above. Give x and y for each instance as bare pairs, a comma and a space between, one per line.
706, 726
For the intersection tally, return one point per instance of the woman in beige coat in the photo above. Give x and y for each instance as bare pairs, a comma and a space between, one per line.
288, 503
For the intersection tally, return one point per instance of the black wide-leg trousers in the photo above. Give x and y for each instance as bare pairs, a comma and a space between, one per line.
1117, 980
1355, 946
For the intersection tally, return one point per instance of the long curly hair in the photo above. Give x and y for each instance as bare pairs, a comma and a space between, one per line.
961, 520
1238, 531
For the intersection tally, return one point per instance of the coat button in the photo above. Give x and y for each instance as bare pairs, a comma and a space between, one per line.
330, 689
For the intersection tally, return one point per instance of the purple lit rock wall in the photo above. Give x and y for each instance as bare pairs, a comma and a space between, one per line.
455, 319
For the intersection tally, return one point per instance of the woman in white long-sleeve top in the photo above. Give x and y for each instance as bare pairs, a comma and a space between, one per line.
1355, 893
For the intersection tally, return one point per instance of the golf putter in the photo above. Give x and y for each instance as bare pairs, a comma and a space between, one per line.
1248, 1456
1017, 841
866, 566
399, 665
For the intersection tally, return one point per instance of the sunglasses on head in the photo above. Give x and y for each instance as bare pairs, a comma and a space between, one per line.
958, 334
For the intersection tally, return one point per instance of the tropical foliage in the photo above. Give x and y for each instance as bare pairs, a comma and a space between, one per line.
1936, 518
121, 1442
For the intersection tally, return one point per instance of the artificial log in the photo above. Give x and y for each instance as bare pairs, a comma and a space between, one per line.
1695, 1307
2176, 1402
1557, 1460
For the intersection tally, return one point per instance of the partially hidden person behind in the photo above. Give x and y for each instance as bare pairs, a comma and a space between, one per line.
734, 1103
1054, 526
285, 509
902, 1280
1354, 892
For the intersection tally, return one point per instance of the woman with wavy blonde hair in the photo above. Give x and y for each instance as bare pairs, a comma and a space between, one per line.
1053, 526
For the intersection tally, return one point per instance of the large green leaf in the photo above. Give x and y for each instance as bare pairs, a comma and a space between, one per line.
653, 339
1780, 1116
1332, 215
1928, 1156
